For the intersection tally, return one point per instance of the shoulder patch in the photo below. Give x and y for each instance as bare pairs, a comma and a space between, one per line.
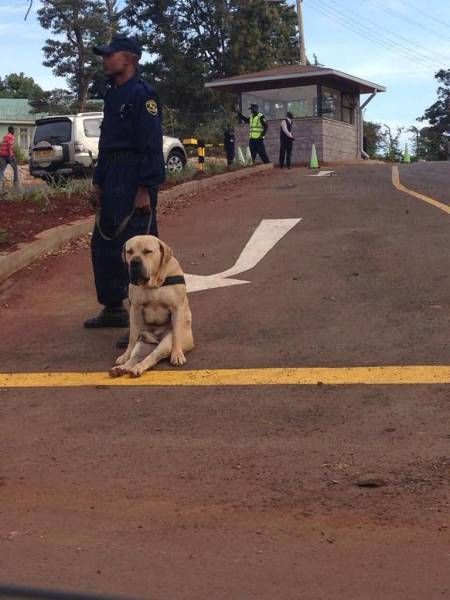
152, 107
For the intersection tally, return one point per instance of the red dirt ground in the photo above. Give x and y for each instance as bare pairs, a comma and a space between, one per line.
250, 492
21, 221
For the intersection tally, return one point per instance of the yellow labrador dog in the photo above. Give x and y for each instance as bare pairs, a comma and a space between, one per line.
159, 308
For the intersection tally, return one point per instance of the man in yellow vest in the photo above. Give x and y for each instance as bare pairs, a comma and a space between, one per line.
258, 128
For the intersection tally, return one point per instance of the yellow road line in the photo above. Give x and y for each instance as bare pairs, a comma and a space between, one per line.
401, 188
388, 375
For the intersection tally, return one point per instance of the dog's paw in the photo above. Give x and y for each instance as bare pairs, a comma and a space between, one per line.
136, 371
117, 371
123, 358
177, 358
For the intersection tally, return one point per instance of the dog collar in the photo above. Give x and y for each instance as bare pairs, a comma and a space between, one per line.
174, 280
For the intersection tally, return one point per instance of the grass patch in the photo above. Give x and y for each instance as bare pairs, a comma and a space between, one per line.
4, 237
47, 196
211, 167
217, 167
181, 176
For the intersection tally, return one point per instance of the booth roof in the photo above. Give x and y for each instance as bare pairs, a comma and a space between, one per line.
292, 75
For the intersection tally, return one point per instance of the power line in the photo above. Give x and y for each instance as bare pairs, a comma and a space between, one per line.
360, 21
363, 33
368, 33
441, 22
408, 19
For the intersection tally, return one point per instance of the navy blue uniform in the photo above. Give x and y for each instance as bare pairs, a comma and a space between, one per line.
229, 142
130, 155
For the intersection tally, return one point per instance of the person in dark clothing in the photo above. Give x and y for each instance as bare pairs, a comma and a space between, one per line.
129, 169
286, 140
229, 142
258, 129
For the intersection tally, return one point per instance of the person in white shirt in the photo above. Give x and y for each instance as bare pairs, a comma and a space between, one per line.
286, 140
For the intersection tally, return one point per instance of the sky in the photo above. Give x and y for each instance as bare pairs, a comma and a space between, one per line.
346, 35
400, 44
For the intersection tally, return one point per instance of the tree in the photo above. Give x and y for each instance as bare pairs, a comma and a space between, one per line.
61, 102
193, 41
113, 17
438, 114
417, 146
17, 85
433, 144
373, 138
77, 26
435, 139
390, 143
262, 35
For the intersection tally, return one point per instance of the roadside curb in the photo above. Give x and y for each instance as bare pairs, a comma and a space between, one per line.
47, 241
196, 186
51, 239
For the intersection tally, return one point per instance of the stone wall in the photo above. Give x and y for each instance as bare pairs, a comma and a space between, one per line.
335, 141
340, 141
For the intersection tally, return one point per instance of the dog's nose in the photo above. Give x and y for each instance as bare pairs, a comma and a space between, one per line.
137, 271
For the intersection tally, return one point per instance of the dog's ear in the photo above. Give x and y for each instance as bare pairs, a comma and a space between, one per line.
166, 255
124, 253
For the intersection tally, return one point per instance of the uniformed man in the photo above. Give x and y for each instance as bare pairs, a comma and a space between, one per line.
130, 167
258, 129
229, 142
286, 140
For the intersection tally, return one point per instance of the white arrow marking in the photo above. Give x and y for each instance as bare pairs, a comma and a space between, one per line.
323, 174
268, 233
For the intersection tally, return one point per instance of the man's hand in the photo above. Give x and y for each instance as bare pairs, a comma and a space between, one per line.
142, 200
96, 195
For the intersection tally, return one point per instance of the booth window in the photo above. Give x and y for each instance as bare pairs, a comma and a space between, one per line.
338, 105
348, 115
331, 103
275, 103
302, 101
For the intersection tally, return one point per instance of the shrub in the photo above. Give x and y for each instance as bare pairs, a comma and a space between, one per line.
21, 155
4, 239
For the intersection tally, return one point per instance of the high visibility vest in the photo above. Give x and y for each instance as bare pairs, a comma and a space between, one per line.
256, 126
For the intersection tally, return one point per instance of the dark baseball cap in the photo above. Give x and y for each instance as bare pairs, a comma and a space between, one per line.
119, 43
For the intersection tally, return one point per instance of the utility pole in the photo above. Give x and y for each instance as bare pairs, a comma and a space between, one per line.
301, 30
301, 33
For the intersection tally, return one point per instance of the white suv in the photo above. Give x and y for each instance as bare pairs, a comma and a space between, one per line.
67, 145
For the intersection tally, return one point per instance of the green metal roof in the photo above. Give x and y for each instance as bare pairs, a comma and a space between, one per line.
17, 110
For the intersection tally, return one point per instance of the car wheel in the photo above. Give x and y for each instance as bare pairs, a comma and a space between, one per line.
175, 162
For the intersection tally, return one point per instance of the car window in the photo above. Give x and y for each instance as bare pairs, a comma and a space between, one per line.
53, 131
92, 127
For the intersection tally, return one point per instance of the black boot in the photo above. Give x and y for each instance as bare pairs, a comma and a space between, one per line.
110, 316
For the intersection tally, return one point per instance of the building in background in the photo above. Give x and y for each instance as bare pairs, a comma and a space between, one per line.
17, 112
326, 105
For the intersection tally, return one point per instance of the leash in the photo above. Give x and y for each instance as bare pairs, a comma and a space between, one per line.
123, 225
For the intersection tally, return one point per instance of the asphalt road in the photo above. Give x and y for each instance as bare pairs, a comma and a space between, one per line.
333, 492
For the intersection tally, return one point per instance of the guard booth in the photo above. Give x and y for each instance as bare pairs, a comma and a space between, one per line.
326, 104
